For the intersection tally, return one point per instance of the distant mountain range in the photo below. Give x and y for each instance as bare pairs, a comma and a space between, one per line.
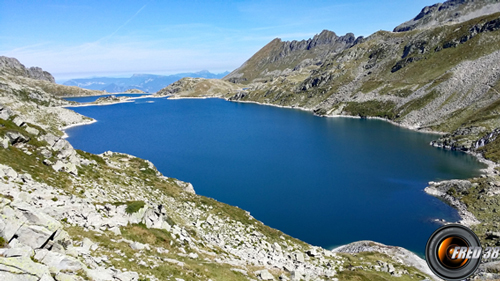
148, 83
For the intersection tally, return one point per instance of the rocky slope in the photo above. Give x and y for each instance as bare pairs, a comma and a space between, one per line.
13, 74
442, 79
70, 215
450, 12
278, 58
13, 67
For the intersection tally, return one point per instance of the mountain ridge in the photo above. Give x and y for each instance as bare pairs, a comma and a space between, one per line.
278, 56
13, 67
450, 12
146, 82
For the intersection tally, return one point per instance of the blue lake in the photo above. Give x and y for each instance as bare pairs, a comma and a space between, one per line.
327, 181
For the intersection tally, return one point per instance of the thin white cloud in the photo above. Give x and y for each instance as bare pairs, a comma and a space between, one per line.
123, 25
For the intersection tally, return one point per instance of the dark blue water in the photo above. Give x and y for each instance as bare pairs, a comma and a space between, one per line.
327, 181
94, 98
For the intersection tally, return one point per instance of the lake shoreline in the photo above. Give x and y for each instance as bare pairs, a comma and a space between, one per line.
488, 170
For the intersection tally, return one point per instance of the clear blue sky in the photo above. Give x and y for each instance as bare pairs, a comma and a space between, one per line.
74, 39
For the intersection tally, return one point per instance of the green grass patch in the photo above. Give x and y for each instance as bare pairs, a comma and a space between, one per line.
370, 85
491, 151
371, 109
91, 156
134, 206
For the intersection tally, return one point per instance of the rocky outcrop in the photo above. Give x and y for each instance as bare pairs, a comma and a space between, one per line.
58, 152
38, 247
282, 57
13, 67
198, 87
110, 99
447, 191
450, 12
398, 254
486, 139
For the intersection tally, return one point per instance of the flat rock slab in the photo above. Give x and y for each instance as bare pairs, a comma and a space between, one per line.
23, 266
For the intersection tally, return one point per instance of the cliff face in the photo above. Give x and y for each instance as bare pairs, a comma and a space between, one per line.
450, 12
13, 67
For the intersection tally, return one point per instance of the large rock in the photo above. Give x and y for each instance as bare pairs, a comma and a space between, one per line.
66, 167
24, 267
34, 236
59, 262
16, 137
100, 274
58, 166
127, 276
64, 147
50, 139
153, 219
23, 251
4, 142
32, 130
5, 113
9, 172
36, 217
18, 121
9, 223
138, 216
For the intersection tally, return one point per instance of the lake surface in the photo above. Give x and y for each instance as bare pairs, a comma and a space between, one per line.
327, 181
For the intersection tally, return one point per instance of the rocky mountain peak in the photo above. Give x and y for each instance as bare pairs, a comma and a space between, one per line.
13, 67
278, 56
450, 12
